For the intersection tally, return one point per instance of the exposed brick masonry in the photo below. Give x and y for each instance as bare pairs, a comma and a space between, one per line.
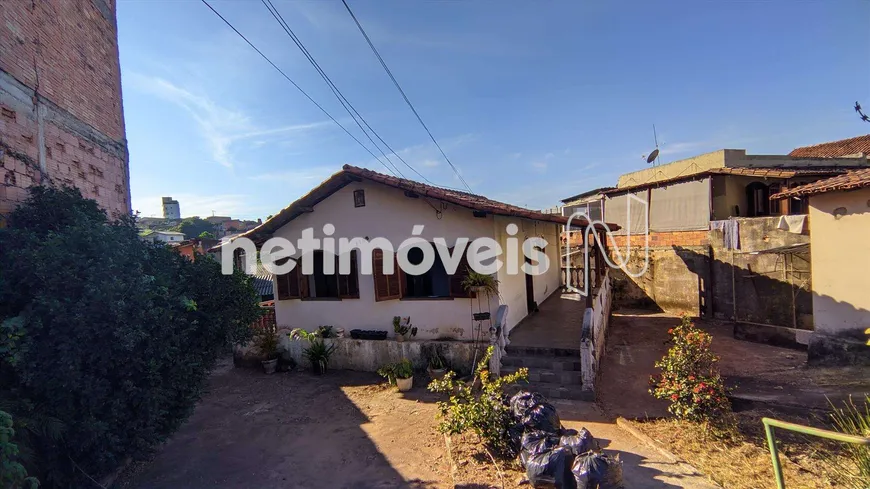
61, 118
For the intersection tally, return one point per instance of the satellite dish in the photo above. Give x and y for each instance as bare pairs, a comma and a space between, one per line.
652, 156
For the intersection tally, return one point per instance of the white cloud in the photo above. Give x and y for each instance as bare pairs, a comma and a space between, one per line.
220, 127
539, 165
430, 163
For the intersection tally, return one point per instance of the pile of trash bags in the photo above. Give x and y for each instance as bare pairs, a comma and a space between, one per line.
553, 456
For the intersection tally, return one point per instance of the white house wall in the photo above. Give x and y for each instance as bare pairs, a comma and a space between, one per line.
513, 287
388, 213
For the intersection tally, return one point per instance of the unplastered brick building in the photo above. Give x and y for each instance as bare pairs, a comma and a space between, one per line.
61, 117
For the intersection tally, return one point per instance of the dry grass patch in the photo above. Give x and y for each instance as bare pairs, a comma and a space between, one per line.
739, 458
475, 467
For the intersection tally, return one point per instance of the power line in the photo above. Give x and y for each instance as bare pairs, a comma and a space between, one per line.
348, 107
335, 90
396, 83
295, 85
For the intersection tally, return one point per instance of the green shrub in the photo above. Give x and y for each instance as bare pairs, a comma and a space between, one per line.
853, 419
690, 378
110, 335
482, 411
317, 352
13, 475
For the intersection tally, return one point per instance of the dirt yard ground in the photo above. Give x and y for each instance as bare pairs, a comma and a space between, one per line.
766, 380
762, 376
346, 430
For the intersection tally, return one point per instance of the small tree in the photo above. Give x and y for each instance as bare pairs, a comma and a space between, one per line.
110, 336
484, 412
206, 235
690, 378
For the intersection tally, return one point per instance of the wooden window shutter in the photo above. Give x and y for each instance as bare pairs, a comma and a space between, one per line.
386, 286
288, 284
348, 285
456, 288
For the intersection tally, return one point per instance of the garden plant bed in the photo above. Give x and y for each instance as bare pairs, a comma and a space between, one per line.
742, 460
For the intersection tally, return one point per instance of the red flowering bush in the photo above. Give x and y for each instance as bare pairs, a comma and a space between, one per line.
690, 378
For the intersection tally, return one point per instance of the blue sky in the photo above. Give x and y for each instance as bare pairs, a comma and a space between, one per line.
532, 101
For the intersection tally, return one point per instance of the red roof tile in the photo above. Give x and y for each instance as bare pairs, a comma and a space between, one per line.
847, 181
350, 174
836, 149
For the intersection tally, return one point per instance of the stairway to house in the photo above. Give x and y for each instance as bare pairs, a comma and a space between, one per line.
554, 372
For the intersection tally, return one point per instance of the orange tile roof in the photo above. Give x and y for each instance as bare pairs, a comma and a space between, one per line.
848, 181
835, 149
349, 174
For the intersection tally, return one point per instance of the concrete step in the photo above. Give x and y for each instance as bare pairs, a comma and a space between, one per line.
556, 364
518, 350
553, 390
563, 377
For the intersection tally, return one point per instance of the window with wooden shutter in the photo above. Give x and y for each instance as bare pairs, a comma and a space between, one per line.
387, 287
456, 288
348, 285
288, 284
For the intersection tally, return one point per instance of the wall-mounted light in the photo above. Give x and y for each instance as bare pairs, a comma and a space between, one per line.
839, 212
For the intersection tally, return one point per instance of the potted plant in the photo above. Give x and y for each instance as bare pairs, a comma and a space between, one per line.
400, 373
268, 344
437, 366
317, 352
480, 283
403, 328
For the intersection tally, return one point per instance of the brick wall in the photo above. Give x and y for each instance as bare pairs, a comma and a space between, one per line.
61, 118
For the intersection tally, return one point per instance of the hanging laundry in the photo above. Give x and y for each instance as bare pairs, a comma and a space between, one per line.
792, 224
730, 231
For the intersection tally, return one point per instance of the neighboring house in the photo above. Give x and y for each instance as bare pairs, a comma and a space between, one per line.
691, 207
857, 147
194, 246
363, 203
840, 213
164, 236
264, 284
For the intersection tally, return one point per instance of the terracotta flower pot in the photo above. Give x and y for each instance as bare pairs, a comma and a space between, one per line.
404, 385
400, 338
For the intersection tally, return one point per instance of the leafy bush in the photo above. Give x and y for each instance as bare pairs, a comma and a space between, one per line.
402, 369
484, 411
853, 419
690, 378
13, 475
317, 352
267, 342
111, 336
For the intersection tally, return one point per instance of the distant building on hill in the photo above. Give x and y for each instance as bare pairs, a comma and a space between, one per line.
171, 209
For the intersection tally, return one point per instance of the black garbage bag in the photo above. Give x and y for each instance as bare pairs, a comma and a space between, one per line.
578, 442
542, 417
522, 401
552, 467
515, 434
596, 470
535, 443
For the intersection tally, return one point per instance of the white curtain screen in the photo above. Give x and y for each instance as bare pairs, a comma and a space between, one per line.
683, 206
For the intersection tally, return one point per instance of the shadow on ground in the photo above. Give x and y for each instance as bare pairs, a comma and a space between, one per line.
290, 430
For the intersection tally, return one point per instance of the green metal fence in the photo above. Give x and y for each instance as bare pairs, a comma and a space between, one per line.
770, 424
